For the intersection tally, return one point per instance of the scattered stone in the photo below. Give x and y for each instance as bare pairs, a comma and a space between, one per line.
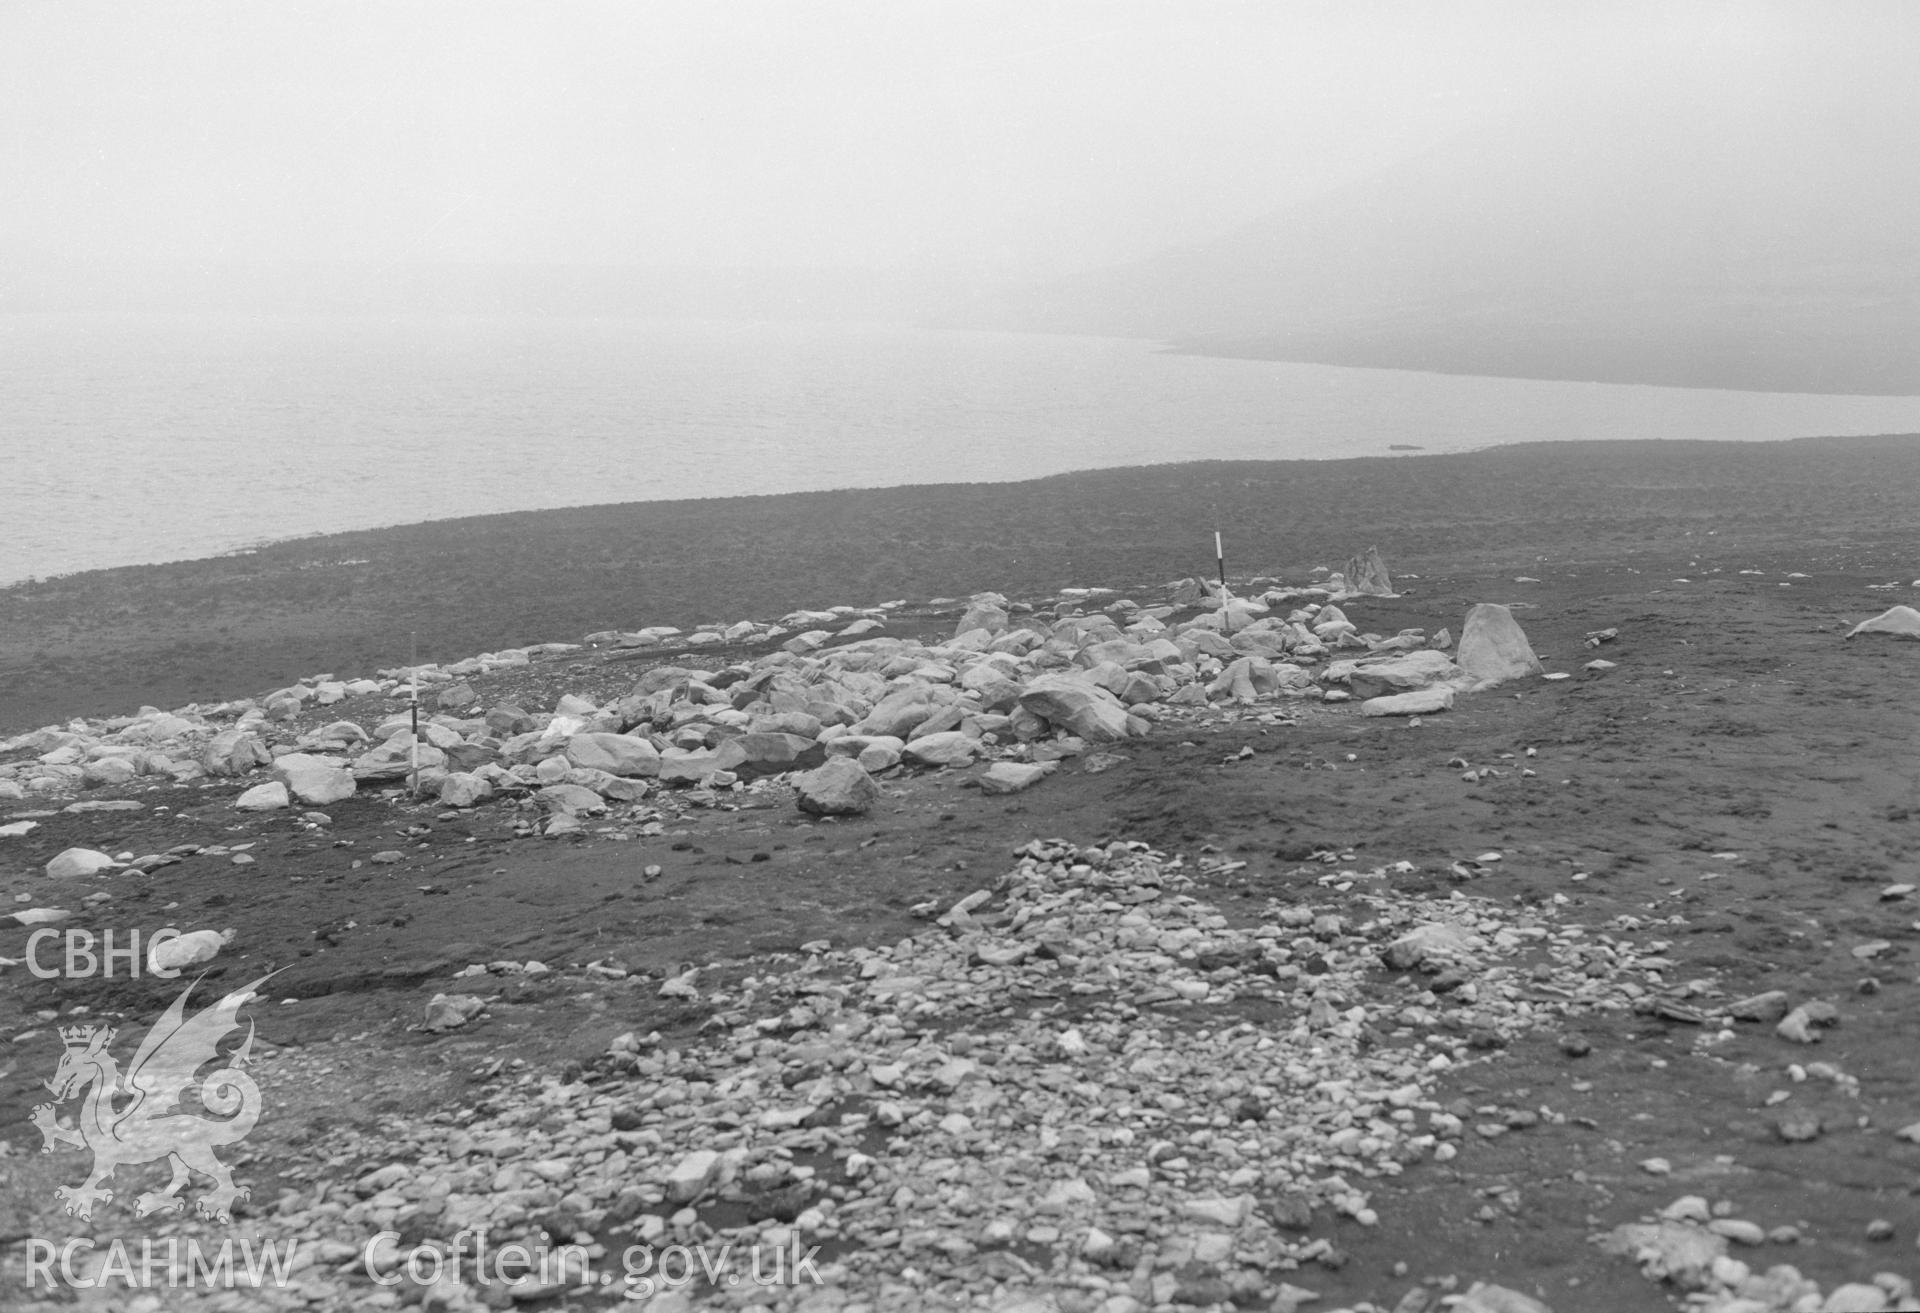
1483, 1298
1799, 1024
452, 1011
460, 789
1430, 947
1424, 702
1675, 1252
234, 752
267, 797
571, 800
186, 950
945, 748
1798, 1127
692, 1175
1084, 709
79, 862
1385, 676
617, 754
1739, 1231
1012, 776
314, 780
1765, 1008
1895, 622
838, 788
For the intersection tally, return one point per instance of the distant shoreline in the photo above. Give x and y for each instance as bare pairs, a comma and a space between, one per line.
1702, 358
105, 642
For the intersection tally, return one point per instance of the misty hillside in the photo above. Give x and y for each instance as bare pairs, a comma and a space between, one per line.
1681, 239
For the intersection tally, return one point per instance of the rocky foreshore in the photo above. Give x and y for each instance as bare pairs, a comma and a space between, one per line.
1086, 1086
1010, 685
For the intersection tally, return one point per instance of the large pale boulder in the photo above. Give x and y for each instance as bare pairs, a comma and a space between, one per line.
691, 765
999, 695
982, 615
571, 800
616, 754
949, 717
946, 748
181, 951
838, 788
1493, 647
79, 862
1366, 575
109, 771
462, 789
1895, 622
1418, 703
1483, 1298
401, 727
1205, 642
898, 712
1081, 708
1121, 651
1430, 946
1384, 676
1013, 776
341, 731
161, 725
234, 752
314, 780
774, 754
268, 797
393, 760
1678, 1252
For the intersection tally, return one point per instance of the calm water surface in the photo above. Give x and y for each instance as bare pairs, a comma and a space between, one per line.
138, 439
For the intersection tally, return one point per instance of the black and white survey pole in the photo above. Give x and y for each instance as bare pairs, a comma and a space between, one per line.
1220, 559
413, 783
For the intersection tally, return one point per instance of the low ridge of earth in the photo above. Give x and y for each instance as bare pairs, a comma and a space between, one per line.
1592, 993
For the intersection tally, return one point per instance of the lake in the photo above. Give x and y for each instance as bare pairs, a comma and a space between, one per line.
135, 439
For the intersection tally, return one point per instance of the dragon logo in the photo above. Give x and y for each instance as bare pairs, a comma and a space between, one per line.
138, 1117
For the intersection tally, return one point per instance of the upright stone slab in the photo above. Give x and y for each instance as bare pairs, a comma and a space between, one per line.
1493, 647
1367, 575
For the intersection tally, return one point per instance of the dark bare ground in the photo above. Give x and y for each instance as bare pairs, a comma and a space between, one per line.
1737, 722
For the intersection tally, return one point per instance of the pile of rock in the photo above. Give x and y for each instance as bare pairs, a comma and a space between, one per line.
1055, 1097
1011, 688
1691, 1246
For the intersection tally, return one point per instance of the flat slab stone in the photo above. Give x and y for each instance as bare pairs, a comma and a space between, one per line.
1418, 703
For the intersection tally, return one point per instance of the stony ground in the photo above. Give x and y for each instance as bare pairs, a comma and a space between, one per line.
1164, 1063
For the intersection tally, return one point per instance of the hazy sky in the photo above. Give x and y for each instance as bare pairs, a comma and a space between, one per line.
1025, 136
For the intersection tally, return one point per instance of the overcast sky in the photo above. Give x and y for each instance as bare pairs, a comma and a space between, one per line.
1027, 136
